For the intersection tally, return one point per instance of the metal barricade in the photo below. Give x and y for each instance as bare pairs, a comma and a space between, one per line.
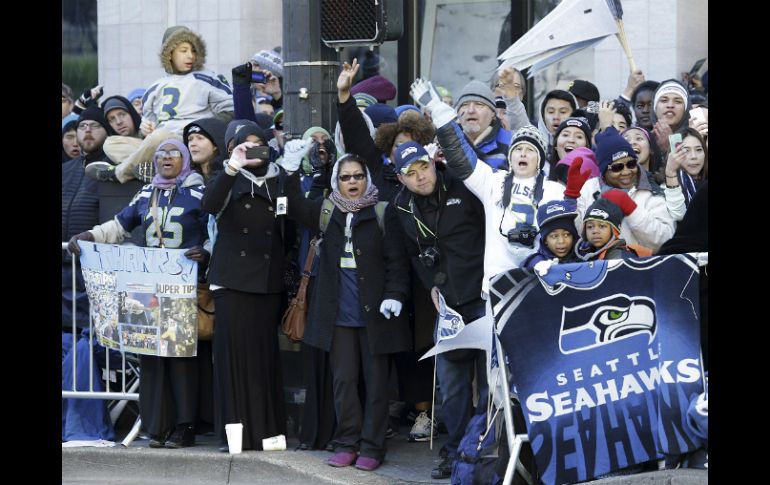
129, 367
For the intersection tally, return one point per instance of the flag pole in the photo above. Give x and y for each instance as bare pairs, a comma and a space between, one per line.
432, 404
624, 42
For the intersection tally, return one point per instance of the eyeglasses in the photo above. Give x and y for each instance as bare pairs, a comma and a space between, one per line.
619, 166
357, 176
167, 153
89, 126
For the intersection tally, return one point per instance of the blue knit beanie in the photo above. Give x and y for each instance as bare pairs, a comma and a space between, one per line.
611, 147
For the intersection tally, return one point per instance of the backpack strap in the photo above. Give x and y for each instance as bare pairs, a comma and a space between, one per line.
327, 207
379, 211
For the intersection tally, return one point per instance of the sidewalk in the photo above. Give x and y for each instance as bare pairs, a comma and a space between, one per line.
406, 463
138, 464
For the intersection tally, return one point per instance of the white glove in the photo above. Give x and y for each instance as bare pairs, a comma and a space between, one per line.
543, 267
425, 95
238, 158
390, 306
293, 152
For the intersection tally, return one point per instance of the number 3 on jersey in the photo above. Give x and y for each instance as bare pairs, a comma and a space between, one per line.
523, 214
170, 101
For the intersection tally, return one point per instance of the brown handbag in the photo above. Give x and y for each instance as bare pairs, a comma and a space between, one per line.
205, 312
295, 317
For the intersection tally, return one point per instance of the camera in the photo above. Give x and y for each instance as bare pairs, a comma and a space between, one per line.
258, 77
428, 257
261, 152
523, 234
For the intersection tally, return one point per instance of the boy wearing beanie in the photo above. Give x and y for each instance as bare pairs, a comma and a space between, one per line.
600, 237
557, 234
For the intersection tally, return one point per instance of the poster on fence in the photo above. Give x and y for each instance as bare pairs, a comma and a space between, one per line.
605, 357
142, 300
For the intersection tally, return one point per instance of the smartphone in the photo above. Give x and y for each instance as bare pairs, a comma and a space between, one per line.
258, 77
698, 114
674, 140
697, 67
261, 152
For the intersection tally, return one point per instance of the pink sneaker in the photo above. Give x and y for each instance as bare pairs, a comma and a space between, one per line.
342, 458
367, 463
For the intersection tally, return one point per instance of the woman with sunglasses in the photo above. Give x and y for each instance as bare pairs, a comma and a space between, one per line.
355, 313
687, 168
169, 212
246, 280
647, 221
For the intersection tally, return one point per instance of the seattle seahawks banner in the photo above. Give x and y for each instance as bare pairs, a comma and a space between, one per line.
605, 356
142, 300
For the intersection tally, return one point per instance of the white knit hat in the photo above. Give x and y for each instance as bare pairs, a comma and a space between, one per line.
270, 60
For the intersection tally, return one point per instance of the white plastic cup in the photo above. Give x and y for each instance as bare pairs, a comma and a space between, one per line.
234, 437
274, 443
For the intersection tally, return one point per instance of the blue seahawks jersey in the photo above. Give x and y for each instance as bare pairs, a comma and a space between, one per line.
606, 359
182, 221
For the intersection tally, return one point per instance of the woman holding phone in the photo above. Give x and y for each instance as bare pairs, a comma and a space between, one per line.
686, 170
246, 278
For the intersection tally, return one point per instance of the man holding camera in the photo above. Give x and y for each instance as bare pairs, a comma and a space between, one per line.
510, 198
443, 226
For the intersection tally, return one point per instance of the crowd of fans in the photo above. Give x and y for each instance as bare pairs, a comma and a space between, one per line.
475, 186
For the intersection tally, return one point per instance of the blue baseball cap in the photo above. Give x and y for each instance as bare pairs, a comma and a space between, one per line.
408, 153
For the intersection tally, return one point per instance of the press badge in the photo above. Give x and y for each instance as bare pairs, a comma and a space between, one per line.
280, 206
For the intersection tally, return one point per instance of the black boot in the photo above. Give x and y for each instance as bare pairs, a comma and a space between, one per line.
159, 441
184, 436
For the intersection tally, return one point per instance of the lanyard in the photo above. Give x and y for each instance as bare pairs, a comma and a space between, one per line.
154, 212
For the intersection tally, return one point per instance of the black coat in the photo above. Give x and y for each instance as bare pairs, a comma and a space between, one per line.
460, 239
382, 274
249, 251
79, 198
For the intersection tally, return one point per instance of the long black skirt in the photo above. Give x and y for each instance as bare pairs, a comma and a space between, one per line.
248, 385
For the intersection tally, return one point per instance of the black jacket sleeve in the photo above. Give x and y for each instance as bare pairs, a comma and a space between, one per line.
356, 135
460, 155
216, 192
396, 262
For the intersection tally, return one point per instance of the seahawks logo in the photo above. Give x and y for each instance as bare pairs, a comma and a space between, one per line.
604, 321
408, 151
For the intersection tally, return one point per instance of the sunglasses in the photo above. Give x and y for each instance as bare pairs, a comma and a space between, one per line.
357, 176
619, 166
170, 153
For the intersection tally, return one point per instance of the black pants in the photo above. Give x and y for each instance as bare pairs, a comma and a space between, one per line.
357, 430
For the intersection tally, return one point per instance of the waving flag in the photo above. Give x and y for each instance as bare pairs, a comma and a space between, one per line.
572, 26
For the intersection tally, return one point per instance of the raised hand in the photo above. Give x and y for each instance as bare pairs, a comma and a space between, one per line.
345, 80
426, 96
576, 179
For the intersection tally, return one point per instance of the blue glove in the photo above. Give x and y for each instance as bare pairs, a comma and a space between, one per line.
390, 306
425, 95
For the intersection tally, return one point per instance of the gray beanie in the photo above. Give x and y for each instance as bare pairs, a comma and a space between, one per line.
476, 91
